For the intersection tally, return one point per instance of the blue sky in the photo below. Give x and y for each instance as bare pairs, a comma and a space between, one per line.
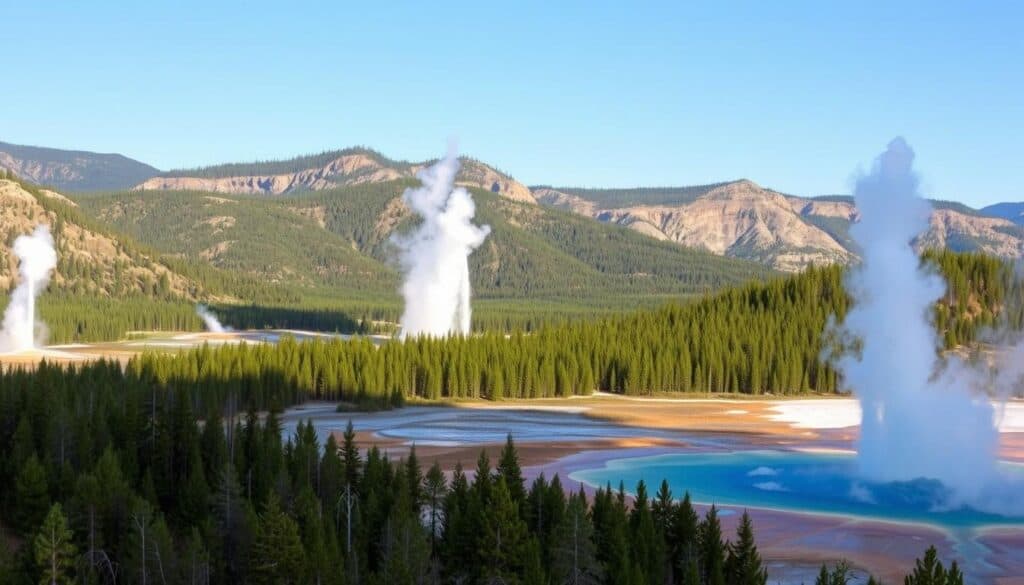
794, 95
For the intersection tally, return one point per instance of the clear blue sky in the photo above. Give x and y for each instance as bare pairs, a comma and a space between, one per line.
794, 95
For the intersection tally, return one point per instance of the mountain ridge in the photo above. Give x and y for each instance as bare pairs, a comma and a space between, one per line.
742, 219
80, 169
739, 218
339, 241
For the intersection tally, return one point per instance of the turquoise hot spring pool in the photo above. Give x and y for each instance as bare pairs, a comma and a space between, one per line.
815, 482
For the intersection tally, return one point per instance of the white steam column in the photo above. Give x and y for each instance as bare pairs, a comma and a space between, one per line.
435, 257
37, 260
210, 320
914, 424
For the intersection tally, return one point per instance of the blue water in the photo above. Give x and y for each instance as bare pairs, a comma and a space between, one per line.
796, 481
446, 426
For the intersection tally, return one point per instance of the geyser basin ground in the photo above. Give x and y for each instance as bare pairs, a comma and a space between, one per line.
815, 482
568, 436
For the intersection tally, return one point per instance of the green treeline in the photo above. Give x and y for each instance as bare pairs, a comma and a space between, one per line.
752, 339
763, 337
982, 293
70, 318
108, 478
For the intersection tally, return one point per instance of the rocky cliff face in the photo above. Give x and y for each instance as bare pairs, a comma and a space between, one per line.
69, 170
345, 170
962, 232
477, 174
744, 220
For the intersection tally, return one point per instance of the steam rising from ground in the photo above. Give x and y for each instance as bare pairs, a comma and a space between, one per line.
37, 259
435, 257
213, 324
918, 421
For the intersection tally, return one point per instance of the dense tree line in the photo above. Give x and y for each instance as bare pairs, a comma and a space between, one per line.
763, 337
109, 479
70, 318
754, 339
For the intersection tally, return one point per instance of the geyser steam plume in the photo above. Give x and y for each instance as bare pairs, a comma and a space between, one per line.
435, 257
213, 324
916, 423
37, 258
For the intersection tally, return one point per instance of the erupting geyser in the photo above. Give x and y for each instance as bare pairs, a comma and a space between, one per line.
37, 258
435, 257
916, 422
212, 323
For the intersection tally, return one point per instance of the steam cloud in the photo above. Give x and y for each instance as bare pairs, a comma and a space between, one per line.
435, 258
919, 421
37, 260
213, 324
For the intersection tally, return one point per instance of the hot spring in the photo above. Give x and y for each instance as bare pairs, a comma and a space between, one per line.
797, 481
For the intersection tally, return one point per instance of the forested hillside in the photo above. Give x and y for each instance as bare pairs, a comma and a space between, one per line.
327, 170
336, 245
107, 284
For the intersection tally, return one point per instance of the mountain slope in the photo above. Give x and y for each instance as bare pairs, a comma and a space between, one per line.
81, 171
738, 220
253, 236
73, 170
328, 170
741, 219
340, 240
1010, 211
90, 260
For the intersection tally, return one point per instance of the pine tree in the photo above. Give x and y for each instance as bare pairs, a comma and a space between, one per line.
55, 552
414, 478
744, 566
232, 523
502, 541
434, 491
458, 541
31, 495
277, 556
839, 575
508, 468
712, 556
195, 566
646, 542
685, 537
929, 571
350, 457
574, 557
